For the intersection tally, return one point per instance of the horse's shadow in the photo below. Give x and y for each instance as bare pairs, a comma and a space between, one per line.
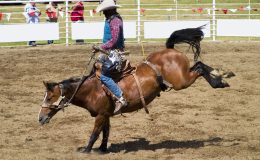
143, 144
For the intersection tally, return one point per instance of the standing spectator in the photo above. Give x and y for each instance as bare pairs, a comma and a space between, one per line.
52, 12
32, 16
77, 16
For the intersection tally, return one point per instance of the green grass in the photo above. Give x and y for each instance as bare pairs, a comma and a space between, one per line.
185, 13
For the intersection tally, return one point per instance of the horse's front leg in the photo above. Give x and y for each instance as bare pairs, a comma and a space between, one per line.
99, 124
106, 129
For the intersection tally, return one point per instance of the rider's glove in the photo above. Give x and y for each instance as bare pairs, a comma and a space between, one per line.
96, 49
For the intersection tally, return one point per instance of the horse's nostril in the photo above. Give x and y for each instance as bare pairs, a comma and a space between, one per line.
40, 119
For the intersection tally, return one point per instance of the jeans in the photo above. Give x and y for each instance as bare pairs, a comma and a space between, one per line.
111, 85
31, 43
50, 41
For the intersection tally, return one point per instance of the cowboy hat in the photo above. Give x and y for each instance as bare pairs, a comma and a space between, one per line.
106, 5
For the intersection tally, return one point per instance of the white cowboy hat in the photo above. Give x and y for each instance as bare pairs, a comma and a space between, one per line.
106, 5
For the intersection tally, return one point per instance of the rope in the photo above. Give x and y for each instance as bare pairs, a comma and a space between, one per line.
142, 48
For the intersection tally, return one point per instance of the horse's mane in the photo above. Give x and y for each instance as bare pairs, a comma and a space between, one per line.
79, 79
70, 80
50, 85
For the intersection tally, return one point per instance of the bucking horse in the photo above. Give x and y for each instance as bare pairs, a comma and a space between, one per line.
162, 70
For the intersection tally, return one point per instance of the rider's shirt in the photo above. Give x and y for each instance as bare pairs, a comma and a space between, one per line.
113, 34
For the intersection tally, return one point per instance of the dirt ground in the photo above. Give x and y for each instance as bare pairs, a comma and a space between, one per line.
196, 123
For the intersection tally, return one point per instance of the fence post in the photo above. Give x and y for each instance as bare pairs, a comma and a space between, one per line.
214, 19
249, 10
176, 10
67, 23
138, 21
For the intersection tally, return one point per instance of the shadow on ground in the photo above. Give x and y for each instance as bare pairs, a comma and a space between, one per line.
143, 144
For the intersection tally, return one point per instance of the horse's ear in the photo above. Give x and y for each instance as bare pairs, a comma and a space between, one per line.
45, 83
49, 85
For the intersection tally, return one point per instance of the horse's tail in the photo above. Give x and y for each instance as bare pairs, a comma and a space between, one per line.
192, 36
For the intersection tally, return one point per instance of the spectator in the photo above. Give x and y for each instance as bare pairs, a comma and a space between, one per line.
32, 16
52, 12
77, 16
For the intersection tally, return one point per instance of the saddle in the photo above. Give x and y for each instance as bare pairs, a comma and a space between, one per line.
126, 70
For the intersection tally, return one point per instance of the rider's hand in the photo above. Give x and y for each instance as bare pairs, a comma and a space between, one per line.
95, 49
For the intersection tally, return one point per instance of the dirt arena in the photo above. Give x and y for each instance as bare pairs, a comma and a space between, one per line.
196, 123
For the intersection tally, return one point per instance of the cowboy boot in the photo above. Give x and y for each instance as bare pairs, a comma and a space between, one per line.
120, 103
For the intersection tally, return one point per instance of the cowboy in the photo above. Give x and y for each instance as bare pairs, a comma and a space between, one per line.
113, 39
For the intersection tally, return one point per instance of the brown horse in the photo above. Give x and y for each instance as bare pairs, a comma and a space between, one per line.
162, 69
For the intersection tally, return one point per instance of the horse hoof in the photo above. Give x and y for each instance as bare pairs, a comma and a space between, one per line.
83, 150
224, 84
102, 149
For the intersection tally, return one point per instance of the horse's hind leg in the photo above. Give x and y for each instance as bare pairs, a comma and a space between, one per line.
106, 129
188, 79
205, 70
99, 124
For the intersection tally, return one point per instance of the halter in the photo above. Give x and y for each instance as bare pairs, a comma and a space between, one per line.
63, 102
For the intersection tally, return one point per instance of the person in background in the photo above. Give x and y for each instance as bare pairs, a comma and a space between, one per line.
77, 16
52, 12
32, 16
113, 40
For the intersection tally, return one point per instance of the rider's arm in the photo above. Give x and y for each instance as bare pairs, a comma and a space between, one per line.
115, 30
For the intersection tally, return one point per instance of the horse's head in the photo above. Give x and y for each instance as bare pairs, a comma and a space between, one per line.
48, 109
